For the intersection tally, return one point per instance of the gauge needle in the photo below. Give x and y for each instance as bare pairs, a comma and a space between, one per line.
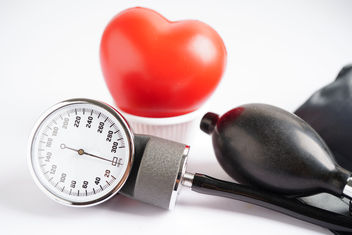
81, 152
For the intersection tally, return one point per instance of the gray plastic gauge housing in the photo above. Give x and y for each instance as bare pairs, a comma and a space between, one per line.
157, 171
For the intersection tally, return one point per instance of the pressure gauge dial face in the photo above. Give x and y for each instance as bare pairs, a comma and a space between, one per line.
81, 152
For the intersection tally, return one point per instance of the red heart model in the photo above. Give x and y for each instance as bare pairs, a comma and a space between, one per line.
158, 68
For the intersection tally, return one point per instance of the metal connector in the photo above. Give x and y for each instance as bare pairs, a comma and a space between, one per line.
187, 179
347, 190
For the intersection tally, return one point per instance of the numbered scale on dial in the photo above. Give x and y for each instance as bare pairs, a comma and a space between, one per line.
81, 152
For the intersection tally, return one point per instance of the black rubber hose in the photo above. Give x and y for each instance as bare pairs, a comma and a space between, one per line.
207, 185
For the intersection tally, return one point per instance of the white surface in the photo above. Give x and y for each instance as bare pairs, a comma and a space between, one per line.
279, 52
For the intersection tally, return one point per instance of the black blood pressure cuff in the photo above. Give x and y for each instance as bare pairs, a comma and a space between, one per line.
329, 112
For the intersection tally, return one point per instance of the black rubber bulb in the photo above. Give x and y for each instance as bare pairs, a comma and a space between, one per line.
268, 147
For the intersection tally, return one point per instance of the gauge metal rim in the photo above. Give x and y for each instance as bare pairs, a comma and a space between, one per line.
129, 135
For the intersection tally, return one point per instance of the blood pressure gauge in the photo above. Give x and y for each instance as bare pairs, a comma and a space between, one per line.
81, 152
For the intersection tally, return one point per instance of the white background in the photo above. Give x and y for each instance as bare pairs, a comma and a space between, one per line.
279, 52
